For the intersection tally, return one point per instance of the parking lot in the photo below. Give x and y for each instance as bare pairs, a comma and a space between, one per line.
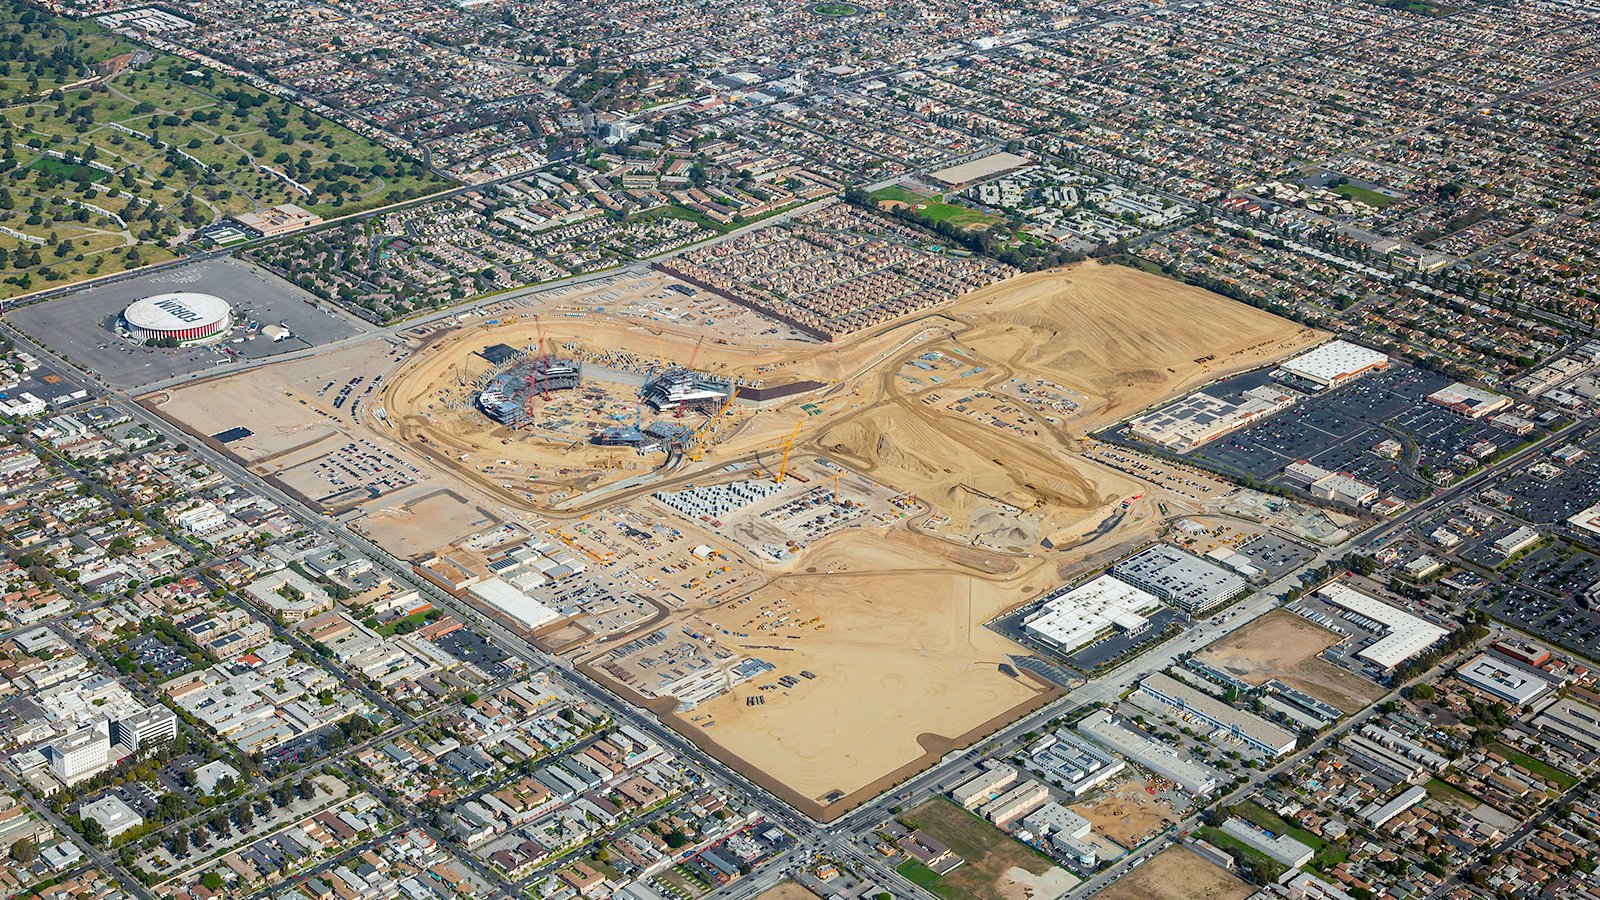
1274, 555
1553, 501
1339, 430
80, 325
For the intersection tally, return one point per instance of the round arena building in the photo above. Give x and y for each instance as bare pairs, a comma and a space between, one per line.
183, 317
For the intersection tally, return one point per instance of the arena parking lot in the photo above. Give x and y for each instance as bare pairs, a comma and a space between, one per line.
79, 325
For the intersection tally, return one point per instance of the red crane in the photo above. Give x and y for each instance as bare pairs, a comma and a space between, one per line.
541, 363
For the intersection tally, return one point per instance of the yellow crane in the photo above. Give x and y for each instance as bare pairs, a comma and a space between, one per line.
836, 487
716, 418
788, 443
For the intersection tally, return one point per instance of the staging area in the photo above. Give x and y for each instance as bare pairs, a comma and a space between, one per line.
824, 558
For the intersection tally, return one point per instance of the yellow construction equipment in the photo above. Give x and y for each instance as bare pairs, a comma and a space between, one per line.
836, 487
716, 418
783, 467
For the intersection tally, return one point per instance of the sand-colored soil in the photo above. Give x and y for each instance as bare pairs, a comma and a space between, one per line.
903, 656
1178, 874
1121, 337
1127, 814
1287, 647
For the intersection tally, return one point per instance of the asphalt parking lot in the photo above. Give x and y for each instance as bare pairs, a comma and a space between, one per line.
1338, 431
80, 325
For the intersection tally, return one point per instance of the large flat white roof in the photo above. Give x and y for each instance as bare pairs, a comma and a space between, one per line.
1503, 679
1334, 361
503, 596
1407, 635
176, 311
1074, 617
1587, 520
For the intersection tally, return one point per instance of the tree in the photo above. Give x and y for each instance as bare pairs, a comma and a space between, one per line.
24, 851
211, 881
94, 832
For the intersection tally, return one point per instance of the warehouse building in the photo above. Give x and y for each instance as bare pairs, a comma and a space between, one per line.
1252, 730
1180, 578
1073, 764
1071, 618
1508, 681
1404, 635
1162, 759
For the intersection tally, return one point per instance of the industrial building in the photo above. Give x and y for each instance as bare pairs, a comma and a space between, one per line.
1250, 729
984, 786
1508, 681
184, 317
1162, 759
1201, 418
1063, 830
1072, 764
1335, 363
1072, 617
1180, 578
1574, 722
1404, 635
1379, 813
505, 598
1280, 847
1018, 801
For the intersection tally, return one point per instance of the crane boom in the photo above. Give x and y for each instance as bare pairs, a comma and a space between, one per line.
788, 444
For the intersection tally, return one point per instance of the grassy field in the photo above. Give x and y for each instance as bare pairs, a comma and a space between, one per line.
988, 851
896, 193
934, 208
1537, 766
166, 147
1374, 199
1328, 854
1448, 793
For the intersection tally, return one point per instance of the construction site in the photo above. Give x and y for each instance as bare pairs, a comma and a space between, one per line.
848, 514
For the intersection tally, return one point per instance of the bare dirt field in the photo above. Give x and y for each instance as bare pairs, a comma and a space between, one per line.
1127, 814
1177, 874
1288, 647
1120, 337
900, 653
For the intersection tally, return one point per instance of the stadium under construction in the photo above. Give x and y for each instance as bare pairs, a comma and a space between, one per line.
509, 396
683, 389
